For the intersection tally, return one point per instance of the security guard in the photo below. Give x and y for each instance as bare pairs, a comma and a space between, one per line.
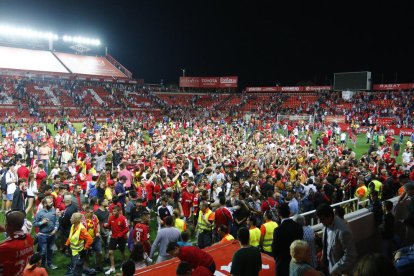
79, 241
223, 232
205, 225
267, 230
377, 186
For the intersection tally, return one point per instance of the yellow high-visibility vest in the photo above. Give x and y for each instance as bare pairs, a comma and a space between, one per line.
268, 238
202, 226
255, 235
377, 187
76, 245
180, 225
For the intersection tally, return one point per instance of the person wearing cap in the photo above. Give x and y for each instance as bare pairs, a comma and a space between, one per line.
17, 248
192, 255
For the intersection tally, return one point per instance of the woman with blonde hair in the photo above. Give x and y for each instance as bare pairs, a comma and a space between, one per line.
299, 265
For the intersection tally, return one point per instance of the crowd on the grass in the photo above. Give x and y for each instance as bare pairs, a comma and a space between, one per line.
89, 193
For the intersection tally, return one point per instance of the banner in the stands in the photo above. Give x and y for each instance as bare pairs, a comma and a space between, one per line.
393, 86
209, 82
287, 89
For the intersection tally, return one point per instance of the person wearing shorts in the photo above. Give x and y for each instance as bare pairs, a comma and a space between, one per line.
119, 226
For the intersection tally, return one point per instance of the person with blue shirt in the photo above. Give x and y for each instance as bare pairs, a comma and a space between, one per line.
185, 236
48, 223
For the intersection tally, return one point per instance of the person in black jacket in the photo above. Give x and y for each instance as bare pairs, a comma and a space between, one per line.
64, 222
287, 232
19, 196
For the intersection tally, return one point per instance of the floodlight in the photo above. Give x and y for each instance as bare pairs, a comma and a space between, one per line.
7, 30
81, 40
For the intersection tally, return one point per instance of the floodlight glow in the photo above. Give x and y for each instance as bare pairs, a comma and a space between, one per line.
81, 40
7, 30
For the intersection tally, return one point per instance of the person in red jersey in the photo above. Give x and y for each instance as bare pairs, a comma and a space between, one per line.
192, 255
141, 232
149, 187
17, 248
23, 171
186, 201
119, 226
40, 175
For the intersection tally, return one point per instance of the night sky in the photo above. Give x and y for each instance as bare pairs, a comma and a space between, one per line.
262, 42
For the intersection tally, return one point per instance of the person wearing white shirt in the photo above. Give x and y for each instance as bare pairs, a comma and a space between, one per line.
406, 156
343, 138
11, 181
15, 135
32, 192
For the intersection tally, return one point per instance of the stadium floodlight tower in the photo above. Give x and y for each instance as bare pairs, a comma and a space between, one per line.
81, 44
12, 32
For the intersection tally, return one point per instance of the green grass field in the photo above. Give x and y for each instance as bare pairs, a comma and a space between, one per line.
62, 261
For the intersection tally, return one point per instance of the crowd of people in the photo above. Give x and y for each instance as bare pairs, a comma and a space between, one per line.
111, 185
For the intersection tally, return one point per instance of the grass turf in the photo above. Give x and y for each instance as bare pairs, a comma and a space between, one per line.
61, 261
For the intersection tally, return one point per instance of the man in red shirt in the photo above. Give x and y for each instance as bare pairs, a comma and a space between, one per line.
192, 255
41, 174
186, 201
23, 171
119, 226
222, 216
17, 248
149, 187
141, 232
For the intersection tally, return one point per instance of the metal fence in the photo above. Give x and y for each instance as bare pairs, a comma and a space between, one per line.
349, 206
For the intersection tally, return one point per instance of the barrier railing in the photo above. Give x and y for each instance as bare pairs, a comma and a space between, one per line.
352, 205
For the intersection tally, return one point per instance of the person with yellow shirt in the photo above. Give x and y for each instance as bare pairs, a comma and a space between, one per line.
223, 232
79, 241
254, 232
109, 190
267, 229
178, 222
293, 173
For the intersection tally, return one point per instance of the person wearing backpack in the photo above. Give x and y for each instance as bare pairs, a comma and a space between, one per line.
267, 230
